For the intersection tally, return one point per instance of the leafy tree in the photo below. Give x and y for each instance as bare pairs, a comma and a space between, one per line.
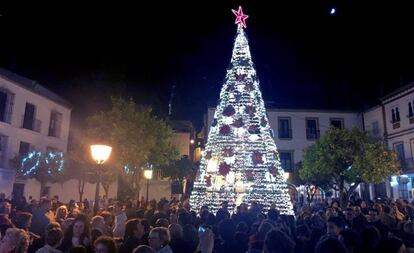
346, 157
42, 166
178, 169
312, 185
136, 136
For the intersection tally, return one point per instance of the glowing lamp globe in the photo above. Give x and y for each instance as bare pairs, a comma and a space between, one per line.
100, 153
148, 174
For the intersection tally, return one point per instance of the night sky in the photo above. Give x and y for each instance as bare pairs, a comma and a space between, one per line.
305, 57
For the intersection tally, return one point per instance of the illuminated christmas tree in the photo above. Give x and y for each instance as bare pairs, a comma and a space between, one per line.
240, 163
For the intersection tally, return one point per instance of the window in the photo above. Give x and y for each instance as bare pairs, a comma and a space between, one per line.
399, 149
375, 128
24, 148
402, 189
6, 105
29, 120
55, 124
395, 115
337, 123
410, 110
312, 129
3, 149
285, 131
286, 160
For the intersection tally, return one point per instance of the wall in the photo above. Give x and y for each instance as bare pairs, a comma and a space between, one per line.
182, 142
32, 188
157, 189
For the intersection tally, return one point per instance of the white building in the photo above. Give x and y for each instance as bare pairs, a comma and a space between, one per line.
393, 121
31, 117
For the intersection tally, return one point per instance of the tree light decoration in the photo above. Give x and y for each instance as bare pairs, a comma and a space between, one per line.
36, 162
240, 163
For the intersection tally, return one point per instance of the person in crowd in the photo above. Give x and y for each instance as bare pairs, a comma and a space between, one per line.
41, 216
162, 222
350, 240
330, 245
226, 231
374, 220
143, 249
16, 240
120, 220
5, 208
105, 244
98, 227
334, 226
78, 249
277, 241
161, 213
349, 216
76, 234
223, 212
151, 208
5, 223
391, 245
41, 241
370, 237
134, 233
23, 220
61, 214
53, 240
176, 234
159, 239
387, 218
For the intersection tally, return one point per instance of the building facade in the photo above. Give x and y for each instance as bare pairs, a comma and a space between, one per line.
393, 121
31, 117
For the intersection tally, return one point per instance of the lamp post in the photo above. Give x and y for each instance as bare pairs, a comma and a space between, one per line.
100, 153
148, 176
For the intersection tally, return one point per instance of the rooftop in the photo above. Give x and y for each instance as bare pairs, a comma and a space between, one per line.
33, 86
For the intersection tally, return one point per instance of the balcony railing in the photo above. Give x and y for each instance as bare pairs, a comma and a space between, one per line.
407, 165
34, 125
285, 133
312, 134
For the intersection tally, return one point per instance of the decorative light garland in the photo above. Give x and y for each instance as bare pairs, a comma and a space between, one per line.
52, 162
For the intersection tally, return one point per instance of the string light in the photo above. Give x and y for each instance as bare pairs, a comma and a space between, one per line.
34, 161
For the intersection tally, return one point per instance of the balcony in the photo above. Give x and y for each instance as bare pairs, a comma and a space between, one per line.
34, 125
407, 165
312, 134
285, 133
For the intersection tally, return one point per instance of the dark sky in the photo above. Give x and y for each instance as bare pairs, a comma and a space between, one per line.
304, 56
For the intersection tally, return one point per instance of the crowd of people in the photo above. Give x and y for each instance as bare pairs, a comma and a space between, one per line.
49, 226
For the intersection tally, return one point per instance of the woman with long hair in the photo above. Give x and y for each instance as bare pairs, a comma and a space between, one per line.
78, 233
61, 214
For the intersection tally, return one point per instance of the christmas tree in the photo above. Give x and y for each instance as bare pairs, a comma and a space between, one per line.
240, 163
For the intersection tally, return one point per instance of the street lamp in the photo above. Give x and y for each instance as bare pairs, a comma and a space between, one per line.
148, 176
100, 153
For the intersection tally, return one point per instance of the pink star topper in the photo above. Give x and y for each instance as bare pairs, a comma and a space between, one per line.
240, 17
